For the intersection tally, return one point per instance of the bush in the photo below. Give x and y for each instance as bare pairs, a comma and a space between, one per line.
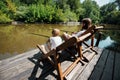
71, 16
112, 18
58, 16
21, 13
4, 18
67, 16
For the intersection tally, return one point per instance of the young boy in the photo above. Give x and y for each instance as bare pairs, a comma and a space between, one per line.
55, 40
52, 42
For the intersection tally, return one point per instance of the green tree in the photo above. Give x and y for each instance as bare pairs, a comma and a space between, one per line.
74, 4
21, 13
118, 3
28, 2
49, 2
112, 17
4, 18
11, 8
3, 12
106, 11
91, 10
58, 16
62, 4
17, 3
76, 7
3, 6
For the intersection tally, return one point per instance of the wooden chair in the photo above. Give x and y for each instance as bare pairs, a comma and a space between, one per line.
55, 53
88, 34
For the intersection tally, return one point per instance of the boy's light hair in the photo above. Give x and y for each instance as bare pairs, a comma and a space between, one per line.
55, 32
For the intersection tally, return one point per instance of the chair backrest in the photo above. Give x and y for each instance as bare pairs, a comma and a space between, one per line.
87, 34
66, 44
89, 30
70, 42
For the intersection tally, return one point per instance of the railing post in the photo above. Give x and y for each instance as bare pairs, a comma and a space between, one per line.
92, 41
98, 39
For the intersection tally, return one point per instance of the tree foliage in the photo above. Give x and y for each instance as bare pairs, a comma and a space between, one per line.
110, 14
4, 18
112, 18
54, 11
118, 3
91, 10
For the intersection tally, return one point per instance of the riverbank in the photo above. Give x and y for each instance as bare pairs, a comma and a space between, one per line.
63, 23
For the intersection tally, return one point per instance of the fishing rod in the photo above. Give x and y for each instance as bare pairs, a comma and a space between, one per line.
63, 30
40, 35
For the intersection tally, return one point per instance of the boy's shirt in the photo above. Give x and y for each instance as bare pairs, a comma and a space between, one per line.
55, 41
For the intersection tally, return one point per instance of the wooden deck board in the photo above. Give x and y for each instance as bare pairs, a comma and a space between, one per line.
84, 75
103, 66
97, 72
108, 69
18, 57
116, 75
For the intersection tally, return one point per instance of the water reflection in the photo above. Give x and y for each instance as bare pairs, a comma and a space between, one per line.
106, 42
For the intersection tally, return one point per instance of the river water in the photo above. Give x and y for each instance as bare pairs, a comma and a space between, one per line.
16, 39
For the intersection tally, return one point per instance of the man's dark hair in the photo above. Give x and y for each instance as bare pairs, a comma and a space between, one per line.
87, 22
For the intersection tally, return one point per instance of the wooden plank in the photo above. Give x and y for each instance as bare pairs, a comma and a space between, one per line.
7, 61
98, 69
21, 68
23, 76
26, 75
108, 69
64, 66
13, 64
74, 71
70, 68
90, 56
116, 75
79, 68
45, 74
15, 70
88, 69
88, 53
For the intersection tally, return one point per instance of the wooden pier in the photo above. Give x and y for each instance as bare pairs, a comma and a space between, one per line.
102, 66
